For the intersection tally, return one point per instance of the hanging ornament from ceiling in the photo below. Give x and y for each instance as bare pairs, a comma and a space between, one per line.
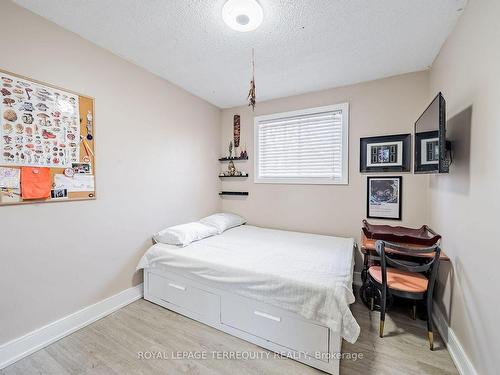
251, 92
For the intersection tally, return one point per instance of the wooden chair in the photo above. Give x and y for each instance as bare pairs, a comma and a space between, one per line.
413, 279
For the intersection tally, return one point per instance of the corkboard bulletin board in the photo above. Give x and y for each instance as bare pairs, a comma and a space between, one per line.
86, 146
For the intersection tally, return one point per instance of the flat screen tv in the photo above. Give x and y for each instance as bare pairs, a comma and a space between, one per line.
431, 147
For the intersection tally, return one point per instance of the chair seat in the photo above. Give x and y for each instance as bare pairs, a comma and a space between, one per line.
400, 280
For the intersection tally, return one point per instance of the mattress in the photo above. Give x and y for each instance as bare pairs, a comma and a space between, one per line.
307, 274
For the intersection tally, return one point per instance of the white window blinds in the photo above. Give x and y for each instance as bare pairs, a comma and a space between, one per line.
308, 146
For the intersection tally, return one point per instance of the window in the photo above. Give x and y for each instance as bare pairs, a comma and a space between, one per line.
303, 147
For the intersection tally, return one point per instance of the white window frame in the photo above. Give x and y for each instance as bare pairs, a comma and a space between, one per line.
344, 180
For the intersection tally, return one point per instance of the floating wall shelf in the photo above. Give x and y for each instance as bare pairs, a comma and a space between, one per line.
242, 176
235, 193
233, 159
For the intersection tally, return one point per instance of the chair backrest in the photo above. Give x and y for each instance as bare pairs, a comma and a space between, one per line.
423, 259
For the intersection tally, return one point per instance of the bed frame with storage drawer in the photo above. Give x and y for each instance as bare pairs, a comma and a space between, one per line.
269, 327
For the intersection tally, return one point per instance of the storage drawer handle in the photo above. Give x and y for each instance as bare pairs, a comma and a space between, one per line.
176, 286
267, 316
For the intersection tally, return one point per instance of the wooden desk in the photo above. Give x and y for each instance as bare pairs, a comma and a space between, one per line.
368, 247
368, 250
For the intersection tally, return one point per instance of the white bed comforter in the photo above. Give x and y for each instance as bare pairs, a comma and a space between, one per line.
307, 274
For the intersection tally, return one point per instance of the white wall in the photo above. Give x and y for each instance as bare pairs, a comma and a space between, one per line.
386, 106
157, 149
464, 206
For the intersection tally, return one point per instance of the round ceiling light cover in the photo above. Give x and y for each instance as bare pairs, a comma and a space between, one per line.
242, 15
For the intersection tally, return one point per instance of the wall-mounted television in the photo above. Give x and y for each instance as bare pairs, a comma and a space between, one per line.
431, 148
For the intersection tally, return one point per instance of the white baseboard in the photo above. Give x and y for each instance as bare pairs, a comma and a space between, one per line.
21, 347
357, 279
457, 353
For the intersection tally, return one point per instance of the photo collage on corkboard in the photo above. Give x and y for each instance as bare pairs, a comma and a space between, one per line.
46, 143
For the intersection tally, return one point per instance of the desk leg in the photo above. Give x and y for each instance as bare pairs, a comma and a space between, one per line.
364, 272
365, 292
365, 289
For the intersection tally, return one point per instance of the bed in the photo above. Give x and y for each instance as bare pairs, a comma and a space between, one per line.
288, 292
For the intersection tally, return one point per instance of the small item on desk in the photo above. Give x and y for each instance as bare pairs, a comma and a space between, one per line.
421, 236
35, 183
86, 159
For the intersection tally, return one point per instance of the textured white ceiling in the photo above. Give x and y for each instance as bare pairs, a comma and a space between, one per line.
302, 45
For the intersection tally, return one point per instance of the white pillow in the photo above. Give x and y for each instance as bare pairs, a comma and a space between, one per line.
223, 221
184, 234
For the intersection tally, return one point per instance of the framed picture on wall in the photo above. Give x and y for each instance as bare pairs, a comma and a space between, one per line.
427, 151
388, 153
384, 197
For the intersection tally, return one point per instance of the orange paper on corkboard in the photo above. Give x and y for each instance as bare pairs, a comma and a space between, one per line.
35, 183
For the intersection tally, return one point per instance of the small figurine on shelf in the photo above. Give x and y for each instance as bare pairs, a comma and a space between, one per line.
231, 150
243, 154
231, 168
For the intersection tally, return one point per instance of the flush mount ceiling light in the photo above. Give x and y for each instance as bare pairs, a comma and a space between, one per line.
242, 15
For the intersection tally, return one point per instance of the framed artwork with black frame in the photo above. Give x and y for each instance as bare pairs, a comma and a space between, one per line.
387, 153
427, 152
384, 197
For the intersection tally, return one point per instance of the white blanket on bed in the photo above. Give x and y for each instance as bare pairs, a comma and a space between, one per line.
307, 274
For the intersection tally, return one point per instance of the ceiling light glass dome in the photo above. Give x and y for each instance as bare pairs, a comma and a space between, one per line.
242, 15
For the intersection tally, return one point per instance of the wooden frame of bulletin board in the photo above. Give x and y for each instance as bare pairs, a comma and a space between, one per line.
50, 130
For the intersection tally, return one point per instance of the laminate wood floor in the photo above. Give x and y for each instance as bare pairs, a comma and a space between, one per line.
112, 346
